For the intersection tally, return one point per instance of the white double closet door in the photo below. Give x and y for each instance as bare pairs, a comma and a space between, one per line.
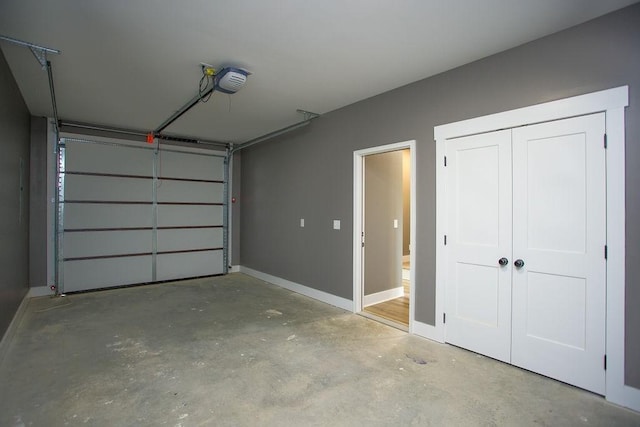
526, 274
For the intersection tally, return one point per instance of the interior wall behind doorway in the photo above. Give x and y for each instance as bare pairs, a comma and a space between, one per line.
406, 201
383, 218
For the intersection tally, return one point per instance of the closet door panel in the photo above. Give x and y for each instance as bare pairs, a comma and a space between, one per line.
559, 293
478, 304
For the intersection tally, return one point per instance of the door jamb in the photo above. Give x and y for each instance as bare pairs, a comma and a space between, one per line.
358, 210
612, 102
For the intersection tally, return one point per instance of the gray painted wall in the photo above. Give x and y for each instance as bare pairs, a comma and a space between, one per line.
38, 203
310, 173
382, 204
14, 196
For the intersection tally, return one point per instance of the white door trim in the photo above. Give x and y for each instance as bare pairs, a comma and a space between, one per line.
612, 102
358, 182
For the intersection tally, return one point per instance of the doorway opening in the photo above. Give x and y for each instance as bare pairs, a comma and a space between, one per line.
384, 230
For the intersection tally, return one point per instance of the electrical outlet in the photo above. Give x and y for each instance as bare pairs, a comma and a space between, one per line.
336, 224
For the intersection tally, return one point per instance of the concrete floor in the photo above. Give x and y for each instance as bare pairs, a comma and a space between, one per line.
234, 351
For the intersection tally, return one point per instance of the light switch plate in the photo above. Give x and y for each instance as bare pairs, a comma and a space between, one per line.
301, 222
336, 224
395, 223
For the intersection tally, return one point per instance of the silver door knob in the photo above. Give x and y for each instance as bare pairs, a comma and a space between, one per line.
503, 261
518, 263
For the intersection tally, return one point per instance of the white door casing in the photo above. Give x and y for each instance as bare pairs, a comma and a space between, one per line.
559, 231
358, 183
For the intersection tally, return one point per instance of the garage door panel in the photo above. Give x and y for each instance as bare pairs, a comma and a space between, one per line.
191, 166
108, 272
190, 264
104, 188
185, 239
94, 215
99, 243
189, 191
181, 215
131, 215
101, 158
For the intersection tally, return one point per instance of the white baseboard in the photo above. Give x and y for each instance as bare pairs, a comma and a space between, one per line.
40, 291
325, 297
626, 396
426, 331
234, 269
383, 296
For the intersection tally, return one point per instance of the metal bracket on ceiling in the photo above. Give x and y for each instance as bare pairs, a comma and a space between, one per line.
40, 55
308, 115
39, 52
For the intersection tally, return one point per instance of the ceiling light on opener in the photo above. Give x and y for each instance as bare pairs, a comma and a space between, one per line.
231, 79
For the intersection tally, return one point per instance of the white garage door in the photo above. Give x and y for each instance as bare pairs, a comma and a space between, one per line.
130, 213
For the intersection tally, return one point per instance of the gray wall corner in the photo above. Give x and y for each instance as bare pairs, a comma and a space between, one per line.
14, 198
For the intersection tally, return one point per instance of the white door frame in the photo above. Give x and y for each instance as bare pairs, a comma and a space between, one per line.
358, 211
612, 102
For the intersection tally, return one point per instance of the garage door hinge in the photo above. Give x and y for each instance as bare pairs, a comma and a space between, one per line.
444, 317
605, 362
445, 161
606, 251
605, 140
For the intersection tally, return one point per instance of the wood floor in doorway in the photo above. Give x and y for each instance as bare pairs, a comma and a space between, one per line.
396, 310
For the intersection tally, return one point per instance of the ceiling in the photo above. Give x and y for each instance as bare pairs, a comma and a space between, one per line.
133, 63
